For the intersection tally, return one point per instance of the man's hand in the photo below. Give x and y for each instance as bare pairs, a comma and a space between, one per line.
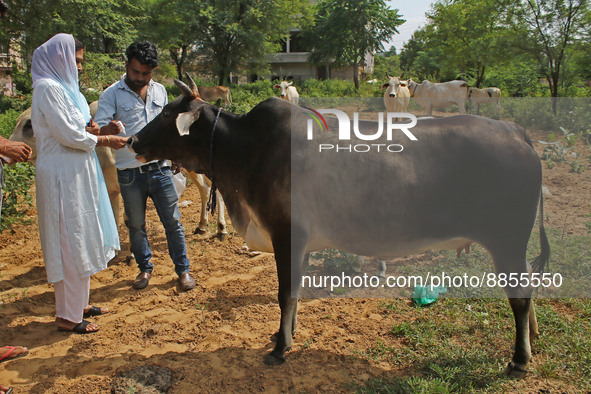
15, 151
112, 128
93, 128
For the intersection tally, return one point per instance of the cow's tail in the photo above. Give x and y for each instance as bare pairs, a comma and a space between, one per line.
541, 262
230, 96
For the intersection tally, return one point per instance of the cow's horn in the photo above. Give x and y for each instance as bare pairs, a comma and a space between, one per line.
192, 84
185, 90
388, 75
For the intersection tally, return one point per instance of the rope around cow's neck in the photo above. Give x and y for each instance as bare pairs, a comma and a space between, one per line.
212, 201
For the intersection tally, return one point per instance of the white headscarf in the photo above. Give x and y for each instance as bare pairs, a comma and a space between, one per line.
56, 60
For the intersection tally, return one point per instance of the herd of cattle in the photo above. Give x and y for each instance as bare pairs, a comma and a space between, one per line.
431, 95
285, 198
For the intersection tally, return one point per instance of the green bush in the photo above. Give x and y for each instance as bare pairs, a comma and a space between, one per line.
17, 103
100, 71
18, 178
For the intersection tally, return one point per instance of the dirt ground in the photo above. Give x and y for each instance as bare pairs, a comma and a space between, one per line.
215, 337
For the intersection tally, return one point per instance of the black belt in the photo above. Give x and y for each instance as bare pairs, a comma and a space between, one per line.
153, 166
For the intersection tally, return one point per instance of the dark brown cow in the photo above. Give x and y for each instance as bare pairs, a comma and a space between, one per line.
466, 179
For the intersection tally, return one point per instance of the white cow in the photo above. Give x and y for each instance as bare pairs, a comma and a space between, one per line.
397, 95
23, 131
482, 96
288, 92
431, 95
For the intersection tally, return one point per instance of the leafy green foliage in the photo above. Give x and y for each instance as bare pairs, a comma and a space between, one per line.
234, 35
99, 71
18, 179
105, 26
389, 63
468, 33
346, 30
546, 30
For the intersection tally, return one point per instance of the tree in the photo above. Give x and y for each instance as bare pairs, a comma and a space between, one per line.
234, 33
346, 30
421, 57
173, 26
105, 26
468, 32
387, 63
547, 29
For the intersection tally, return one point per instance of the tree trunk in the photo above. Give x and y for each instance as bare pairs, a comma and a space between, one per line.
179, 60
480, 75
223, 76
554, 91
356, 75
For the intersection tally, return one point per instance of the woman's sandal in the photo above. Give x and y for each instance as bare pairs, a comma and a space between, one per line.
79, 328
94, 311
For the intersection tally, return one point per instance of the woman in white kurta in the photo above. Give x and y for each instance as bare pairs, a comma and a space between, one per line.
76, 225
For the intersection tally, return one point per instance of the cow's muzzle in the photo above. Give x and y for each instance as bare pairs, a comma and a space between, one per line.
392, 95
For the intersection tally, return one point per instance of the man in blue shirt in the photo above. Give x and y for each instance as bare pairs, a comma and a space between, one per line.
135, 100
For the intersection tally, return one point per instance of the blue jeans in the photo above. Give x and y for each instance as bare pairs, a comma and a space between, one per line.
136, 186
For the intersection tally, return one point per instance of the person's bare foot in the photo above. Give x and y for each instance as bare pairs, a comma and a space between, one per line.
79, 328
5, 389
12, 352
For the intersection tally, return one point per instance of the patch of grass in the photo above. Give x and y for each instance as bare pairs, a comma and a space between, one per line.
406, 385
378, 352
450, 349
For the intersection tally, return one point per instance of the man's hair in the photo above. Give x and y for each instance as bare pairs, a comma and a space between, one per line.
78, 44
144, 52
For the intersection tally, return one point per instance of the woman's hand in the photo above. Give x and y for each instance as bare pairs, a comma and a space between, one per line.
116, 142
112, 141
93, 128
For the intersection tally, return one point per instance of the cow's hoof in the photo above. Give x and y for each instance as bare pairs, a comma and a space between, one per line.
222, 236
515, 371
272, 359
130, 260
200, 231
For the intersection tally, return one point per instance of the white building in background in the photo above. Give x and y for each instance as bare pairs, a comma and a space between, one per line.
291, 63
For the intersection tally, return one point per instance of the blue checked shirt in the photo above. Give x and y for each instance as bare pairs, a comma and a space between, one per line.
119, 102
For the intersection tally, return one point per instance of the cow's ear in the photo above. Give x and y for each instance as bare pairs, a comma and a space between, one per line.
385, 86
290, 83
403, 84
184, 121
185, 90
276, 86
